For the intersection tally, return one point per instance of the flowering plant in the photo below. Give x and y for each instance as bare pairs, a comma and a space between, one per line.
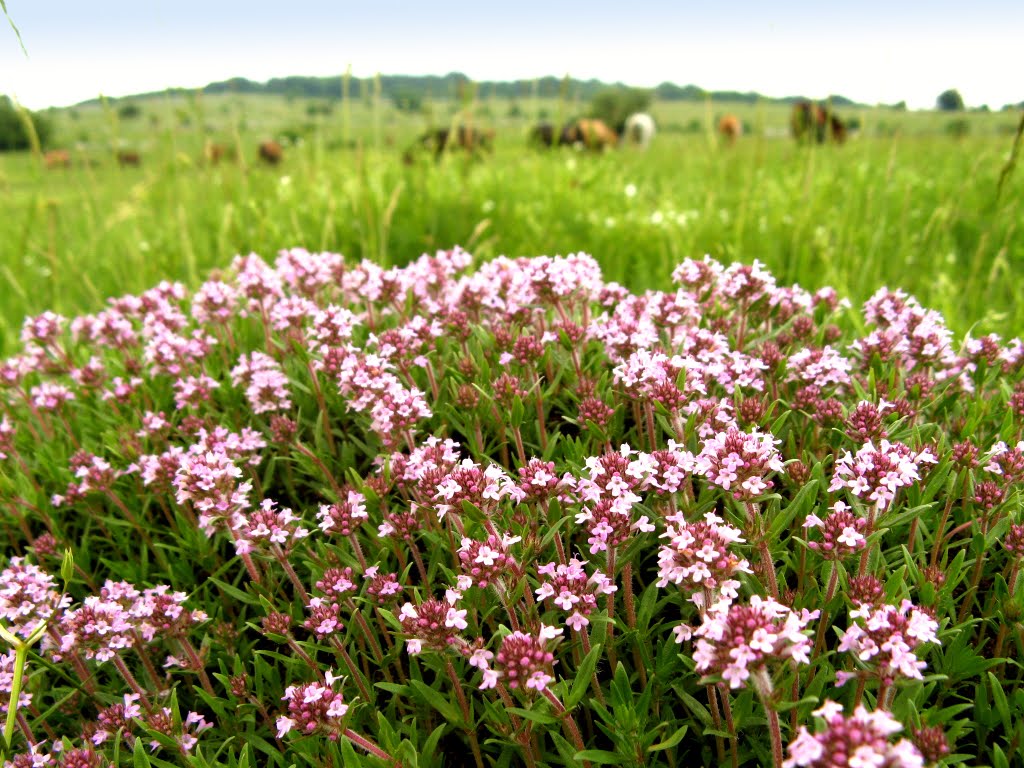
328, 513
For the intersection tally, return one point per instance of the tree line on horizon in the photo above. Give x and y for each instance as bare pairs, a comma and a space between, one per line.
407, 89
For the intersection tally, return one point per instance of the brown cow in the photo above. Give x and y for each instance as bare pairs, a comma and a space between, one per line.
588, 133
472, 140
542, 135
271, 152
837, 128
57, 158
729, 128
213, 152
812, 122
126, 157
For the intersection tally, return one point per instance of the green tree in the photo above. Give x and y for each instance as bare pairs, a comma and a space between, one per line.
950, 101
407, 100
129, 111
17, 125
614, 105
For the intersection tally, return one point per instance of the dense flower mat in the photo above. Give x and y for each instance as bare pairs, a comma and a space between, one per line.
331, 514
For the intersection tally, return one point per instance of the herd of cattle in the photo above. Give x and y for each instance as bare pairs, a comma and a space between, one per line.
809, 123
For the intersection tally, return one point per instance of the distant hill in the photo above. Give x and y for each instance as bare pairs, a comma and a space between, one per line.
456, 85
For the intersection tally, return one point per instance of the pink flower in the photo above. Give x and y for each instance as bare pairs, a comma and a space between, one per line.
432, 624
842, 533
859, 741
738, 641
877, 473
524, 662
569, 588
884, 638
313, 708
488, 561
266, 385
699, 558
739, 462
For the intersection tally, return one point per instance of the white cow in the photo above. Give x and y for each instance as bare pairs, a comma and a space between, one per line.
638, 130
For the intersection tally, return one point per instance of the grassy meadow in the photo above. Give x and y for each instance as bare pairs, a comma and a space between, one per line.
904, 203
276, 477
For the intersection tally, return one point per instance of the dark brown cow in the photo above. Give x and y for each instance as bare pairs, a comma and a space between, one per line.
271, 152
126, 157
730, 128
837, 128
811, 122
473, 141
543, 135
57, 158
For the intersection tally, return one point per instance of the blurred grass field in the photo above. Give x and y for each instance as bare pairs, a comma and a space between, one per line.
905, 203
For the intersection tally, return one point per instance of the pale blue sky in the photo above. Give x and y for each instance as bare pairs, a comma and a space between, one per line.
869, 50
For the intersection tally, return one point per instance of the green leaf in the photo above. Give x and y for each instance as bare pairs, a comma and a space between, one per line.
448, 710
671, 741
1002, 705
236, 593
430, 745
533, 715
786, 706
599, 756
67, 567
565, 749
516, 416
583, 678
698, 709
139, 757
349, 755
648, 604
801, 505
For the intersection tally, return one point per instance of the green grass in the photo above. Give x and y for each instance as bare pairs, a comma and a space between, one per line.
902, 204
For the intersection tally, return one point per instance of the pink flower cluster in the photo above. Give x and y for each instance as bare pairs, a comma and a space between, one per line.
744, 639
489, 561
699, 557
859, 741
568, 587
28, 597
118, 618
266, 385
313, 708
876, 474
267, 527
343, 517
432, 624
739, 462
886, 637
524, 661
842, 532
210, 482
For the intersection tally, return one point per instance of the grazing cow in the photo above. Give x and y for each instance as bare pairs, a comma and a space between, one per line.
589, 134
813, 122
730, 128
473, 141
213, 152
543, 135
57, 158
271, 152
638, 130
837, 128
126, 157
